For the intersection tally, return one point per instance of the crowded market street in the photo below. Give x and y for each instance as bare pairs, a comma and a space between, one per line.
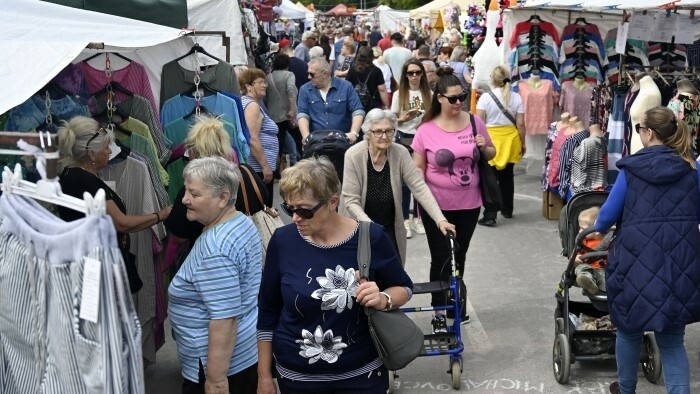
512, 271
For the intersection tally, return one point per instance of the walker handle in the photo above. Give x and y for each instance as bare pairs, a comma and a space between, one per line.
450, 234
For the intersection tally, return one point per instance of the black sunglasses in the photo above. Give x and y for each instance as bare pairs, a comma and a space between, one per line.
304, 213
414, 73
638, 128
453, 99
93, 137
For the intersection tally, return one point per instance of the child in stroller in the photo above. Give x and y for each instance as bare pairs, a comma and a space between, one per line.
590, 273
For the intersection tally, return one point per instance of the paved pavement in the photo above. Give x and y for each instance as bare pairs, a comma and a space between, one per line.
511, 273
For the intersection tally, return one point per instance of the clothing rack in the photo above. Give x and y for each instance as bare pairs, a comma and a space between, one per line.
47, 141
225, 40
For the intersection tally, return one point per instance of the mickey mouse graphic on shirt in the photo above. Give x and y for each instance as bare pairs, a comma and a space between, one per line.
461, 169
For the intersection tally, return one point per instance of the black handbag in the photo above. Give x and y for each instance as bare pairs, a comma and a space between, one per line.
395, 336
488, 183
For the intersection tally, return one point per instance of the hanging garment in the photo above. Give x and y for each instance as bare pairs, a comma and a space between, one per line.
627, 142
616, 133
48, 347
553, 169
601, 104
535, 46
566, 154
175, 79
687, 108
693, 53
32, 113
589, 167
146, 145
636, 56
582, 50
135, 188
551, 137
576, 102
133, 77
538, 103
667, 56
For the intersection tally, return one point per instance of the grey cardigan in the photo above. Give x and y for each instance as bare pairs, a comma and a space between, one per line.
352, 200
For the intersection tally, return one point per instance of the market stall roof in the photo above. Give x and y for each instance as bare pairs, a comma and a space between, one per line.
291, 11
339, 10
602, 5
390, 19
41, 38
423, 12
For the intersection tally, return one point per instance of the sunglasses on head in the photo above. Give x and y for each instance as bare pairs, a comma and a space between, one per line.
453, 99
94, 136
417, 73
638, 128
304, 213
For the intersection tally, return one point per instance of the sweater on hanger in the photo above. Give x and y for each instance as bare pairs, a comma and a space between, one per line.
566, 154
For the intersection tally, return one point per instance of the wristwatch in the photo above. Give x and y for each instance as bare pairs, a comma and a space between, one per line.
389, 301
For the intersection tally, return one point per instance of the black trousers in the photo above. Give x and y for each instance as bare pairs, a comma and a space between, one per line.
439, 245
244, 382
506, 183
270, 189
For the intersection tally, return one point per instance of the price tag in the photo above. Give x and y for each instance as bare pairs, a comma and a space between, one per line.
664, 28
90, 298
686, 28
621, 40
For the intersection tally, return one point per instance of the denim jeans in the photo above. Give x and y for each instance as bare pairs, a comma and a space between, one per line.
673, 356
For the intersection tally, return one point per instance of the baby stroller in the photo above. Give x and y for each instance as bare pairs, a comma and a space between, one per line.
570, 343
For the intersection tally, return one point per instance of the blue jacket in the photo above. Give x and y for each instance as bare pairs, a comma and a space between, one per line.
653, 271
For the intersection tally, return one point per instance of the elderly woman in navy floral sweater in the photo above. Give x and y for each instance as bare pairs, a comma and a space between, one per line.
311, 316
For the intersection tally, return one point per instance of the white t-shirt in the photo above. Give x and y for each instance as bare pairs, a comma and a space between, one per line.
494, 116
386, 72
396, 57
415, 98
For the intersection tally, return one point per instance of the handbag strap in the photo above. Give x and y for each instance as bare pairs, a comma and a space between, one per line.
255, 186
502, 108
471, 120
245, 194
364, 253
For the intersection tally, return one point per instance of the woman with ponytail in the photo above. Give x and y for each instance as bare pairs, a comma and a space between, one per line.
653, 268
446, 149
504, 115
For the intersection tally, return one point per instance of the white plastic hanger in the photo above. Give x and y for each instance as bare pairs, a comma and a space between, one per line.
48, 190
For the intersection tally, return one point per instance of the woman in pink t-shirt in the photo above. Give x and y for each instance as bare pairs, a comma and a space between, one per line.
446, 149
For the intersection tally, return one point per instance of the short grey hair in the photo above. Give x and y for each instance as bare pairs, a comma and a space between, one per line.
216, 173
307, 34
377, 115
429, 65
321, 63
315, 52
457, 52
79, 136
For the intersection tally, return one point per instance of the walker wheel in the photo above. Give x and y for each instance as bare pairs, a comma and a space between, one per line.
559, 326
456, 371
392, 376
652, 365
561, 358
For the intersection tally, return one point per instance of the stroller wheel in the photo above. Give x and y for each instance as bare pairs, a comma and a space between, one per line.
652, 364
392, 376
456, 371
559, 326
561, 358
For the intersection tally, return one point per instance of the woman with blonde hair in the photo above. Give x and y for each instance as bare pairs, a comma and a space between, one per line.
457, 59
504, 115
653, 269
206, 138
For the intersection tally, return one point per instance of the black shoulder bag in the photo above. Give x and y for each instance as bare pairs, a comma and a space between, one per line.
488, 183
395, 336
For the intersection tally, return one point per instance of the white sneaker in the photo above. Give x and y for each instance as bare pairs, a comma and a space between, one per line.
407, 225
418, 226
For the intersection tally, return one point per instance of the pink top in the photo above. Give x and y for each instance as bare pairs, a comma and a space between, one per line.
553, 169
576, 102
452, 171
538, 104
133, 77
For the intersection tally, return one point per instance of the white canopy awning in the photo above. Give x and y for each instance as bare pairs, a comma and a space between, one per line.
291, 11
602, 5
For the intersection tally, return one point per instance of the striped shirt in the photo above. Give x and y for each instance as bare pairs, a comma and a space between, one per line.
566, 154
267, 136
219, 279
589, 167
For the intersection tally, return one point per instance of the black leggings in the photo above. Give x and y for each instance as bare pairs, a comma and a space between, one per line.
507, 185
439, 245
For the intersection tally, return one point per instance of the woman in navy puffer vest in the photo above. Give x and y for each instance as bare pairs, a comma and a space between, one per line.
653, 271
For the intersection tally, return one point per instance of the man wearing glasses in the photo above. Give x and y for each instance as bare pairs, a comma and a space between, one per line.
308, 40
328, 103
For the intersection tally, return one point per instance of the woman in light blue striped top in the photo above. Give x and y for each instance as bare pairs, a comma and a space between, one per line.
264, 145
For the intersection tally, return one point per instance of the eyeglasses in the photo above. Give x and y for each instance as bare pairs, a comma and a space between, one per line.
262, 81
638, 128
93, 137
304, 213
453, 99
381, 133
311, 75
414, 73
